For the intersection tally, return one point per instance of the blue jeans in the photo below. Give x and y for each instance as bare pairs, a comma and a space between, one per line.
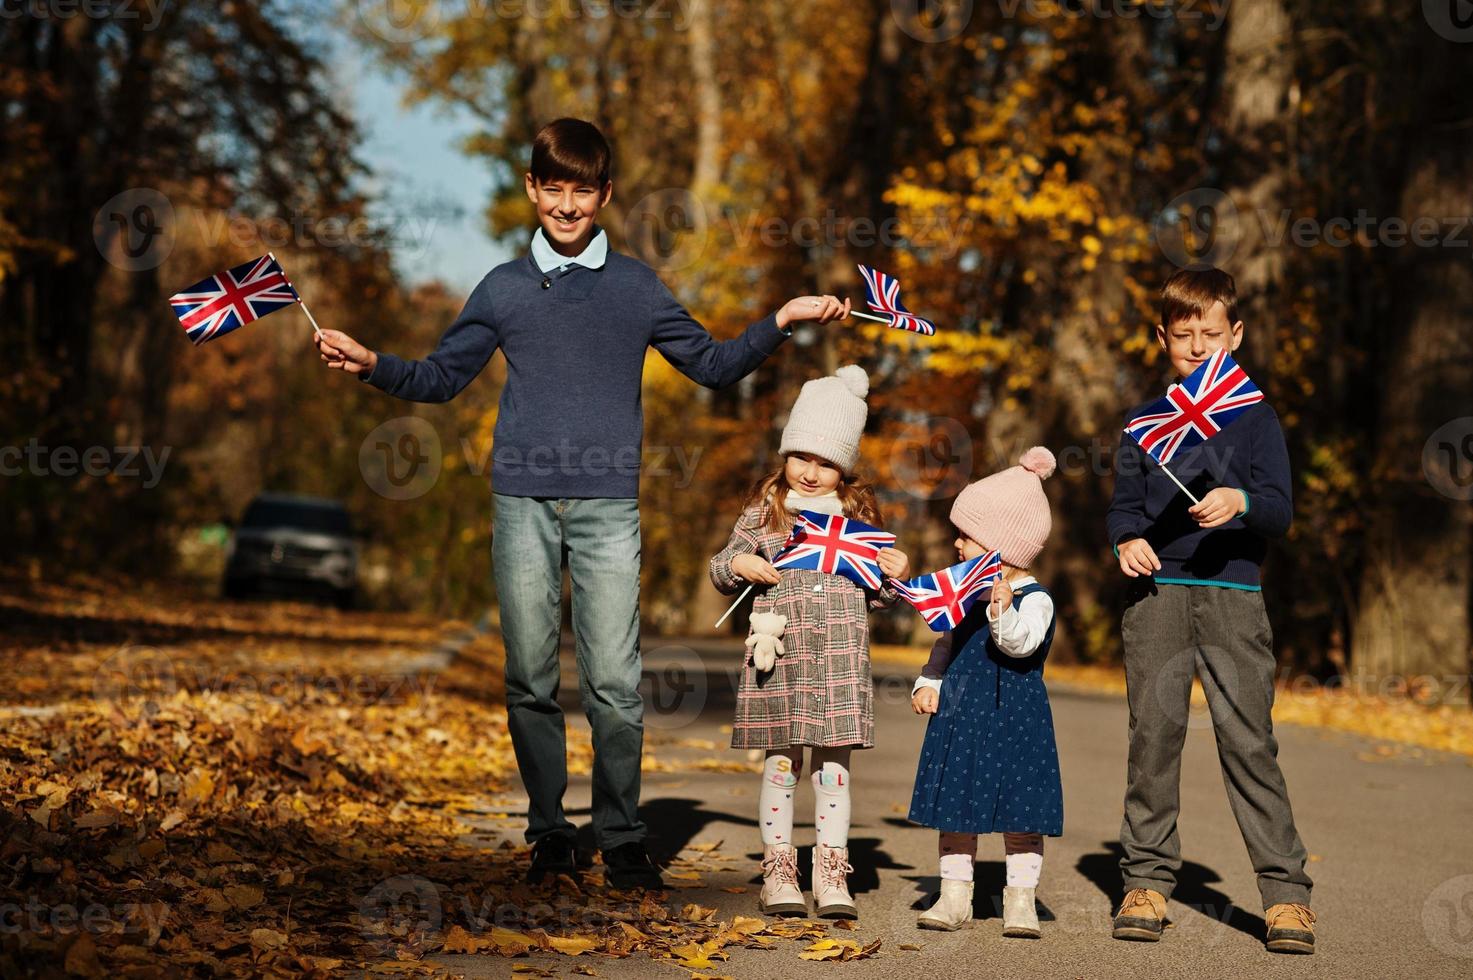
600, 537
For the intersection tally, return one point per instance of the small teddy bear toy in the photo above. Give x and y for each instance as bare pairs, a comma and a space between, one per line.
765, 641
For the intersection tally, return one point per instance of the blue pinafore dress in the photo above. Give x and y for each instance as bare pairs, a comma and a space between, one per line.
989, 763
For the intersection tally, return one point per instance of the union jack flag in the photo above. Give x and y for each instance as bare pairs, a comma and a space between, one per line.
836, 545
882, 292
215, 306
1195, 410
943, 598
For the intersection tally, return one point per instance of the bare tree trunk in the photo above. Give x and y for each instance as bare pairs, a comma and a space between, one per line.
1414, 615
1086, 412
1258, 86
702, 45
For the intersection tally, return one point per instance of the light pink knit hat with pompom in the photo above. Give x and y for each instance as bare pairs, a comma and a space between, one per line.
1008, 511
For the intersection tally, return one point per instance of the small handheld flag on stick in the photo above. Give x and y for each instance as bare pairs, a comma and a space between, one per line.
836, 545
221, 303
943, 598
832, 544
1194, 411
882, 293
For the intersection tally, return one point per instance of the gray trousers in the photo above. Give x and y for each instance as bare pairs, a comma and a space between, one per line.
601, 539
1172, 632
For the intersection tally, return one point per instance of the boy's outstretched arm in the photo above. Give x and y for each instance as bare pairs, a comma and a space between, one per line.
719, 363
461, 354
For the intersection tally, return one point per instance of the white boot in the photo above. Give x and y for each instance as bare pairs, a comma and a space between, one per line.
952, 910
831, 870
1019, 913
780, 892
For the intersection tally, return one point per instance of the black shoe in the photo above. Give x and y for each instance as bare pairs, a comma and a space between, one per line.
551, 856
629, 866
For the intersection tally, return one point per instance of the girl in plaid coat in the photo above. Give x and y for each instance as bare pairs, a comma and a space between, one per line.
817, 691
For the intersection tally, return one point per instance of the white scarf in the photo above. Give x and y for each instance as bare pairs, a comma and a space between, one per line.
824, 503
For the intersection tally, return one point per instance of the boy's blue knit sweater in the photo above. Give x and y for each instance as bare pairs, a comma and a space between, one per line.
1248, 454
571, 422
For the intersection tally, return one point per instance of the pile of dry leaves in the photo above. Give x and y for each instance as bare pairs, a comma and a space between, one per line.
190, 787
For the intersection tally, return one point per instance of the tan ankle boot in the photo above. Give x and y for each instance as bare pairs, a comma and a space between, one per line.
831, 870
780, 892
952, 910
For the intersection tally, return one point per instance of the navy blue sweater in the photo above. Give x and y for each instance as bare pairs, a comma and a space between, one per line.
571, 422
1248, 455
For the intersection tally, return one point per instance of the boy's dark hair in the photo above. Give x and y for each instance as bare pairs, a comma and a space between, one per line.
1190, 293
571, 149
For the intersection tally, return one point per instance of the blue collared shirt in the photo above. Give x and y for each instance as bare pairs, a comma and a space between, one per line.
549, 259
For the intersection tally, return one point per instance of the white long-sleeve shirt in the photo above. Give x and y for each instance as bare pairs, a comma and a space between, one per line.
1018, 632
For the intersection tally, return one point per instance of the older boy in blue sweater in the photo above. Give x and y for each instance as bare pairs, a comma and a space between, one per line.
1196, 606
574, 320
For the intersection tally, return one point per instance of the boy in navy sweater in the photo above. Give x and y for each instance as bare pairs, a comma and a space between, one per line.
574, 320
1196, 606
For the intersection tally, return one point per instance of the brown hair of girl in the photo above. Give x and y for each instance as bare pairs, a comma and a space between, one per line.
857, 497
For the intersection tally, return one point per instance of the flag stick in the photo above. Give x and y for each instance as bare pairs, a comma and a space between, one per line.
870, 316
1180, 484
732, 608
310, 316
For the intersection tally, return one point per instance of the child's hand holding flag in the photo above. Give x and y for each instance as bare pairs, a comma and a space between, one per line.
1001, 598
343, 353
822, 309
894, 563
1218, 506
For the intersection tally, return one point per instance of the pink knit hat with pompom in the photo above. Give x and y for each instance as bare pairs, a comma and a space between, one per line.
1008, 511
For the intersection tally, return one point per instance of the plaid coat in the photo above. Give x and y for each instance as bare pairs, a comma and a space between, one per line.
821, 692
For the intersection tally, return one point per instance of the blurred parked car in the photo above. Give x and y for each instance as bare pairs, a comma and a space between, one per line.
294, 545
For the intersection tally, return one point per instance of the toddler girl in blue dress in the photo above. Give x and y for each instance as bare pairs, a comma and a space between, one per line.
989, 763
